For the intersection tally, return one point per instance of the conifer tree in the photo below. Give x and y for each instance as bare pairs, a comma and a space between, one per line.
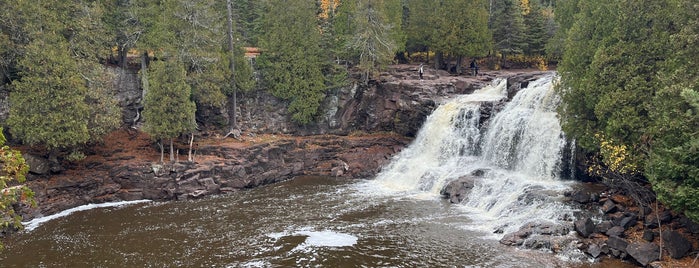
419, 24
372, 42
535, 24
465, 35
507, 24
47, 103
292, 62
169, 110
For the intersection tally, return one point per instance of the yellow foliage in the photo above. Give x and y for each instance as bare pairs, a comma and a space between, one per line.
615, 156
526, 8
328, 7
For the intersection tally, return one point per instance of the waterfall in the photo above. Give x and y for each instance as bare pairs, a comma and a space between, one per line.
516, 157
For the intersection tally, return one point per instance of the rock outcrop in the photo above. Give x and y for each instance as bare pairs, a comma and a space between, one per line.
218, 168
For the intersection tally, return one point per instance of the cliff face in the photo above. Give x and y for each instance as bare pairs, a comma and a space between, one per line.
273, 148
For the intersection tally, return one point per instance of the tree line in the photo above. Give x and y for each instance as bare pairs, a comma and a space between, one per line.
629, 73
189, 54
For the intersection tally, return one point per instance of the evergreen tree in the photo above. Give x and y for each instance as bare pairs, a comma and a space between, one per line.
292, 63
372, 42
507, 24
419, 24
47, 103
536, 34
466, 35
169, 110
673, 167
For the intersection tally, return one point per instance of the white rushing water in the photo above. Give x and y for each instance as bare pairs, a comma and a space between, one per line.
36, 222
517, 151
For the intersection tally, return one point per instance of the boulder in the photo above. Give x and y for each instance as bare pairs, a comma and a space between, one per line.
604, 226
629, 221
643, 253
677, 245
648, 235
609, 207
615, 231
580, 197
691, 226
594, 250
585, 227
37, 165
618, 243
457, 190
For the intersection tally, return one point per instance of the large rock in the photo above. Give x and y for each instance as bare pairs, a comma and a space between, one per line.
457, 190
37, 165
644, 253
677, 245
585, 227
616, 242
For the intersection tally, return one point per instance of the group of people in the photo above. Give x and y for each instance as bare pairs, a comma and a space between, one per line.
473, 66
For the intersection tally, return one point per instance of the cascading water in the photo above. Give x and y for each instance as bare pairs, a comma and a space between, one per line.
514, 157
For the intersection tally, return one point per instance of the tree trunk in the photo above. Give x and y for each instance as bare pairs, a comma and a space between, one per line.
231, 54
122, 52
189, 154
458, 64
144, 75
438, 60
172, 151
162, 151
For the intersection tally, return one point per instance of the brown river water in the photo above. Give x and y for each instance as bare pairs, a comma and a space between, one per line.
306, 222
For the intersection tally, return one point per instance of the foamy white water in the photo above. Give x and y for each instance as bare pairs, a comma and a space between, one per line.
450, 135
36, 222
518, 153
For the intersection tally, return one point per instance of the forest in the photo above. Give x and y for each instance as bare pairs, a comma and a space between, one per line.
628, 69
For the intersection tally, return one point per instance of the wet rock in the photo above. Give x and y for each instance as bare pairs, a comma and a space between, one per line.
593, 250
615, 242
677, 245
643, 253
615, 231
585, 227
629, 221
609, 207
580, 197
648, 235
603, 227
457, 190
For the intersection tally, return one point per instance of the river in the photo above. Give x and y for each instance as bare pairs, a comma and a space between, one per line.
306, 222
513, 160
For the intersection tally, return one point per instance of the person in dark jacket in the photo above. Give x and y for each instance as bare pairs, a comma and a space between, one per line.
474, 67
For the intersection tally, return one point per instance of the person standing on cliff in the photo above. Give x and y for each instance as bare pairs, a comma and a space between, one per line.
421, 70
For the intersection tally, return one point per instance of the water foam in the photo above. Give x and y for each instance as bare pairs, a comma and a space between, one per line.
36, 222
517, 154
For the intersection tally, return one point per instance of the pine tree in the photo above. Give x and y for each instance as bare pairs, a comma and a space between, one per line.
48, 105
466, 35
419, 24
169, 110
372, 43
536, 35
507, 24
292, 63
